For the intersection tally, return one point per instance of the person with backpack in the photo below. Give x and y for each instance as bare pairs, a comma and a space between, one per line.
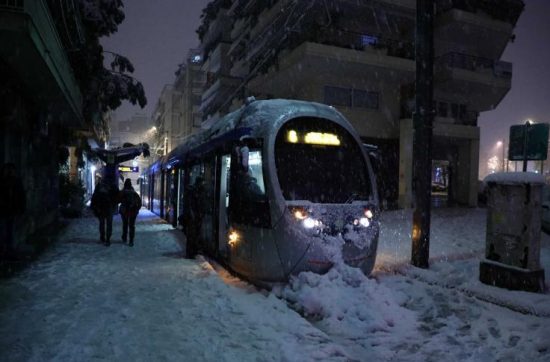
104, 205
130, 203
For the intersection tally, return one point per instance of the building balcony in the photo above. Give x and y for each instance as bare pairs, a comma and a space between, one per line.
480, 82
304, 64
444, 112
507, 11
218, 93
218, 31
481, 32
32, 48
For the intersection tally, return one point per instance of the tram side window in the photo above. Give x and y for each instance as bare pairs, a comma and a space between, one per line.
248, 202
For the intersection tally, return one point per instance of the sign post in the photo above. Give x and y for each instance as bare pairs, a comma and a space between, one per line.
422, 135
528, 142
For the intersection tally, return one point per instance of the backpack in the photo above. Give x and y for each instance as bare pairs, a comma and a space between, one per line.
130, 203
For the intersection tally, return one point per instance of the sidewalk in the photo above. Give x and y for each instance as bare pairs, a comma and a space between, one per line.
82, 301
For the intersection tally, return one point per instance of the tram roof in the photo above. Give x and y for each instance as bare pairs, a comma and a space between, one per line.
254, 119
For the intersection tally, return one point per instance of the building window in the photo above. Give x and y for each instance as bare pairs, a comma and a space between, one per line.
442, 109
337, 96
454, 110
369, 40
462, 112
365, 99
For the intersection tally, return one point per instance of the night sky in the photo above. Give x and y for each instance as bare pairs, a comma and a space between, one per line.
157, 34
530, 93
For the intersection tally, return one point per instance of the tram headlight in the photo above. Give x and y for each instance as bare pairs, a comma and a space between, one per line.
363, 221
299, 213
233, 238
309, 223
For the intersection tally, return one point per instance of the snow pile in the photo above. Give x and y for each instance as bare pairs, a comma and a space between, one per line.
347, 304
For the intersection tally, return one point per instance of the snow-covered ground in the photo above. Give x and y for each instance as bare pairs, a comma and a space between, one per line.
82, 301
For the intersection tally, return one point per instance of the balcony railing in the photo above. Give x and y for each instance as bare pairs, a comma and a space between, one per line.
12, 4
362, 41
504, 10
458, 112
499, 68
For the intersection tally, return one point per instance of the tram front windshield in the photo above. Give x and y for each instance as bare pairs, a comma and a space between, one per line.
319, 161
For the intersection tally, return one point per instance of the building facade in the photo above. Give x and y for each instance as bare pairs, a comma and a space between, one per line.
166, 119
40, 102
177, 113
359, 57
189, 83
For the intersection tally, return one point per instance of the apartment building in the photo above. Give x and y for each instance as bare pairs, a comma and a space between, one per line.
166, 119
177, 113
133, 130
40, 100
359, 57
189, 84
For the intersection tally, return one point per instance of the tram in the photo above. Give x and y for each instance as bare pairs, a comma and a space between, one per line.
272, 189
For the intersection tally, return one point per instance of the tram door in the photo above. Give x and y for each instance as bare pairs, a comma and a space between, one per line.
208, 203
181, 196
223, 204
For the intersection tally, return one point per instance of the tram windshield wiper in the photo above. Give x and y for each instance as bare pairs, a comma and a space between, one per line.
351, 198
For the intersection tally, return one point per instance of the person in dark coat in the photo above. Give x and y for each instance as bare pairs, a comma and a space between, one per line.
13, 201
130, 203
104, 205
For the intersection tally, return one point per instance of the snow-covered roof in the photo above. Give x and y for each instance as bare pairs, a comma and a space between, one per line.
511, 178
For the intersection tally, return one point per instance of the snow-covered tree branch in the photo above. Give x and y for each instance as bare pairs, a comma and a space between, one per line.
103, 88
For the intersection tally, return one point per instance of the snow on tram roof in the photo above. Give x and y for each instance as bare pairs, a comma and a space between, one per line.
254, 118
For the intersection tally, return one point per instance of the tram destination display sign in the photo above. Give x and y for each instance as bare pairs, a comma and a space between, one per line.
528, 142
128, 168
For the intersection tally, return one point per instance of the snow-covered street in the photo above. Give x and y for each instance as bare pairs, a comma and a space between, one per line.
82, 301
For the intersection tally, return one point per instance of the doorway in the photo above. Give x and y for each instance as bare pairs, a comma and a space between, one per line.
441, 180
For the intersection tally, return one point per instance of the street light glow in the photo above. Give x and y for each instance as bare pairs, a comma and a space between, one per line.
499, 143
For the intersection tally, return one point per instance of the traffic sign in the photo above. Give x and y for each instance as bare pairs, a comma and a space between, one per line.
532, 136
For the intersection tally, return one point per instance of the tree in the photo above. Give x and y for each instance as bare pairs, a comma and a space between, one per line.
103, 88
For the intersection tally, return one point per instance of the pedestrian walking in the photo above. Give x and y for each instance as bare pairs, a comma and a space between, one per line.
130, 203
14, 200
104, 205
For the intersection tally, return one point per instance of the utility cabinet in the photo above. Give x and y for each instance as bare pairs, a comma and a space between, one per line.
512, 250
